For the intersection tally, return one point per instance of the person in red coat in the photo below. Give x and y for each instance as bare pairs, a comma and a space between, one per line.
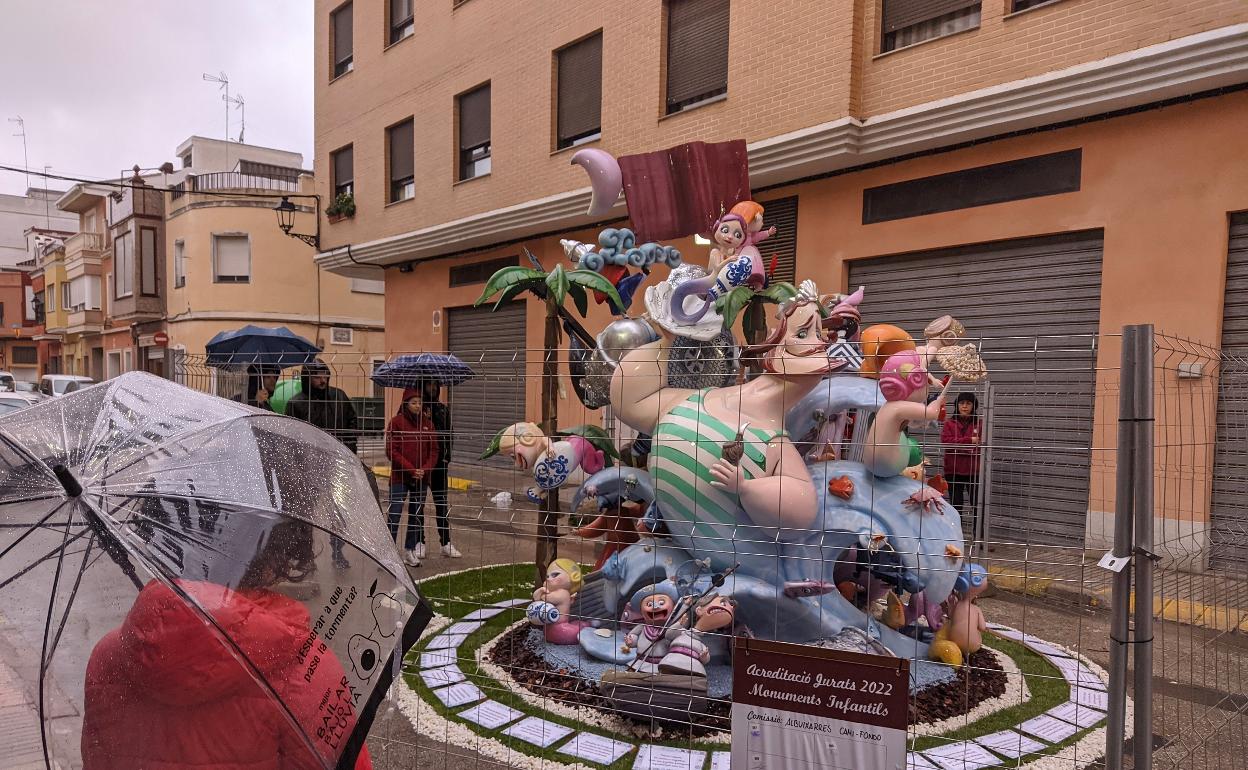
412, 446
163, 691
960, 435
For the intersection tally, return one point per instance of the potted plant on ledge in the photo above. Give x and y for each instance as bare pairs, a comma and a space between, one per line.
343, 207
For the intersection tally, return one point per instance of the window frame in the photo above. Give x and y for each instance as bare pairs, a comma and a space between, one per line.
155, 292
965, 19
123, 257
398, 31
233, 279
340, 65
561, 142
337, 184
670, 108
404, 184
179, 263
468, 158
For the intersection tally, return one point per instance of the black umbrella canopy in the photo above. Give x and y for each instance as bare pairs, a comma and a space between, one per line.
166, 570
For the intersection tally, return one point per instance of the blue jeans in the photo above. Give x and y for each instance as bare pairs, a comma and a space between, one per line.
399, 492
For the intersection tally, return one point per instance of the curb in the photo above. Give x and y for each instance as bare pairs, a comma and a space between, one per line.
1215, 617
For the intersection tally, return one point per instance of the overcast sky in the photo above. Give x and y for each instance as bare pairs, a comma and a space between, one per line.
105, 84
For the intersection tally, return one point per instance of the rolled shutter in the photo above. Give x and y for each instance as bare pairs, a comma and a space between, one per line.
697, 50
342, 33
899, 14
474, 118
400, 11
580, 89
782, 214
401, 163
233, 256
344, 163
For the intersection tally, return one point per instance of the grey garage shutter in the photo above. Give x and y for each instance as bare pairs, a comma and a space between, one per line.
1036, 304
697, 50
1228, 546
899, 14
493, 344
781, 213
580, 90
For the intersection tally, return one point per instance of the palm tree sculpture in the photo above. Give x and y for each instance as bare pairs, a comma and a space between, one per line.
552, 288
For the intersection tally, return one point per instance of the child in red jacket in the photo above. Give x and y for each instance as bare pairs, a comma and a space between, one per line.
960, 435
412, 446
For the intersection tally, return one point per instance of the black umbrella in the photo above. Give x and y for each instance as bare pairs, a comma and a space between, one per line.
166, 555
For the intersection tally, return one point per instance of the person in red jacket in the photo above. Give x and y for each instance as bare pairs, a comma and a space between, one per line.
164, 691
960, 435
412, 446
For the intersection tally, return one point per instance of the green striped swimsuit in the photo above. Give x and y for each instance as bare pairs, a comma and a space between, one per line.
687, 441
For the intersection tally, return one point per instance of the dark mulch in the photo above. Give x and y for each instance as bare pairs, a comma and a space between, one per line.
976, 683
981, 680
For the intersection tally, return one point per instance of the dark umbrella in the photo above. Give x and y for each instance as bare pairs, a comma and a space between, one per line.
149, 503
251, 344
412, 369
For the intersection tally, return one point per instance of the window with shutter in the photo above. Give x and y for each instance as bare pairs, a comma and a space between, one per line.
474, 133
344, 170
697, 52
399, 141
402, 24
179, 264
906, 22
231, 258
579, 92
781, 214
148, 261
123, 265
341, 43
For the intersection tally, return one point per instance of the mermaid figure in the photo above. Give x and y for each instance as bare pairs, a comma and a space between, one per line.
735, 261
551, 462
904, 383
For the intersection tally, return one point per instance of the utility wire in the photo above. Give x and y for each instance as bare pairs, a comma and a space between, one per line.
126, 186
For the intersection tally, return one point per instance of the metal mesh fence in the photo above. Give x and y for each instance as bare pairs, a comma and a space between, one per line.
1037, 496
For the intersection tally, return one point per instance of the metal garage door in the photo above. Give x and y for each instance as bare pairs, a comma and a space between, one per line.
1036, 304
1228, 518
492, 343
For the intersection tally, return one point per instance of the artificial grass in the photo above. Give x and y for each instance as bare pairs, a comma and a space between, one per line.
457, 595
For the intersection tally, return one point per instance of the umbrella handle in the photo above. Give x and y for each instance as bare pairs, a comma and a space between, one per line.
108, 541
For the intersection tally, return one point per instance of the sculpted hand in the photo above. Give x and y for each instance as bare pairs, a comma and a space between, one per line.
727, 476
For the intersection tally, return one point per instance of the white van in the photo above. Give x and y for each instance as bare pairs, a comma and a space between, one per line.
60, 384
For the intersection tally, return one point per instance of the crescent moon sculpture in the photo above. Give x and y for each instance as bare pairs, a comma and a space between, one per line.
604, 178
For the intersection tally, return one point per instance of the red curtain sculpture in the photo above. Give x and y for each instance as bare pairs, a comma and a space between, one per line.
682, 190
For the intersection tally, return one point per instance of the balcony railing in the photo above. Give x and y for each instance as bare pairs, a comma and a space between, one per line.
83, 242
233, 180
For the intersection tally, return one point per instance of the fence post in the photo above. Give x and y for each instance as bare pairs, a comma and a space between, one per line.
1143, 550
1124, 488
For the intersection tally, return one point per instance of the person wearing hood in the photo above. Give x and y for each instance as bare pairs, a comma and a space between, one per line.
163, 689
329, 409
412, 446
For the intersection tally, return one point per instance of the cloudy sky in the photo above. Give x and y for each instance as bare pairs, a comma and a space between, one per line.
105, 84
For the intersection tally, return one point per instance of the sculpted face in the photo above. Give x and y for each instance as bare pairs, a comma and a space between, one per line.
730, 234
557, 579
804, 349
718, 613
655, 609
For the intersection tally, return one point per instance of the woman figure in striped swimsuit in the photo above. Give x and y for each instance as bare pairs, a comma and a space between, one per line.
730, 505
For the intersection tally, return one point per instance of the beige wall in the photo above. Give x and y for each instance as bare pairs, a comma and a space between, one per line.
792, 64
284, 288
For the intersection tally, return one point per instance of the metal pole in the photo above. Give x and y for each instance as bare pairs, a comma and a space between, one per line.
1119, 630
1143, 550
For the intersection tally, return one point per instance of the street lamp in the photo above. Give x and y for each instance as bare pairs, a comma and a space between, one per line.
286, 220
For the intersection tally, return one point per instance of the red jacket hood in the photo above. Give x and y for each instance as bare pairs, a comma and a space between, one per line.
180, 658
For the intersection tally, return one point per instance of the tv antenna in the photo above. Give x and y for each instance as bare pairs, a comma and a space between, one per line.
223, 83
21, 131
241, 106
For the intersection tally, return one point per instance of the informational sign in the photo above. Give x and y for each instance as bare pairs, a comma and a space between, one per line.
802, 708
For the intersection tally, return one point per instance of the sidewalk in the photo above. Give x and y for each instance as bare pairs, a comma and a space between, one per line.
1217, 601
19, 725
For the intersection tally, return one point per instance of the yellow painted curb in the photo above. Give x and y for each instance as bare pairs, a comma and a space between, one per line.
1030, 583
463, 485
1224, 619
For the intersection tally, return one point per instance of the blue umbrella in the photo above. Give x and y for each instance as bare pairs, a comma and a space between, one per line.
412, 369
278, 347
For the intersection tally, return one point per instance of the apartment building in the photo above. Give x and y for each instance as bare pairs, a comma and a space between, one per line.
19, 213
1057, 167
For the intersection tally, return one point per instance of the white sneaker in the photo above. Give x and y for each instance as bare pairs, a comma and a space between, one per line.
451, 552
411, 558
420, 551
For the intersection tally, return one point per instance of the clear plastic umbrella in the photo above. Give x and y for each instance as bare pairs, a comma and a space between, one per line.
166, 586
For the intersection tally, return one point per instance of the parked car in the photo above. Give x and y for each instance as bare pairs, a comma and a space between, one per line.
59, 384
8, 383
28, 388
11, 402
